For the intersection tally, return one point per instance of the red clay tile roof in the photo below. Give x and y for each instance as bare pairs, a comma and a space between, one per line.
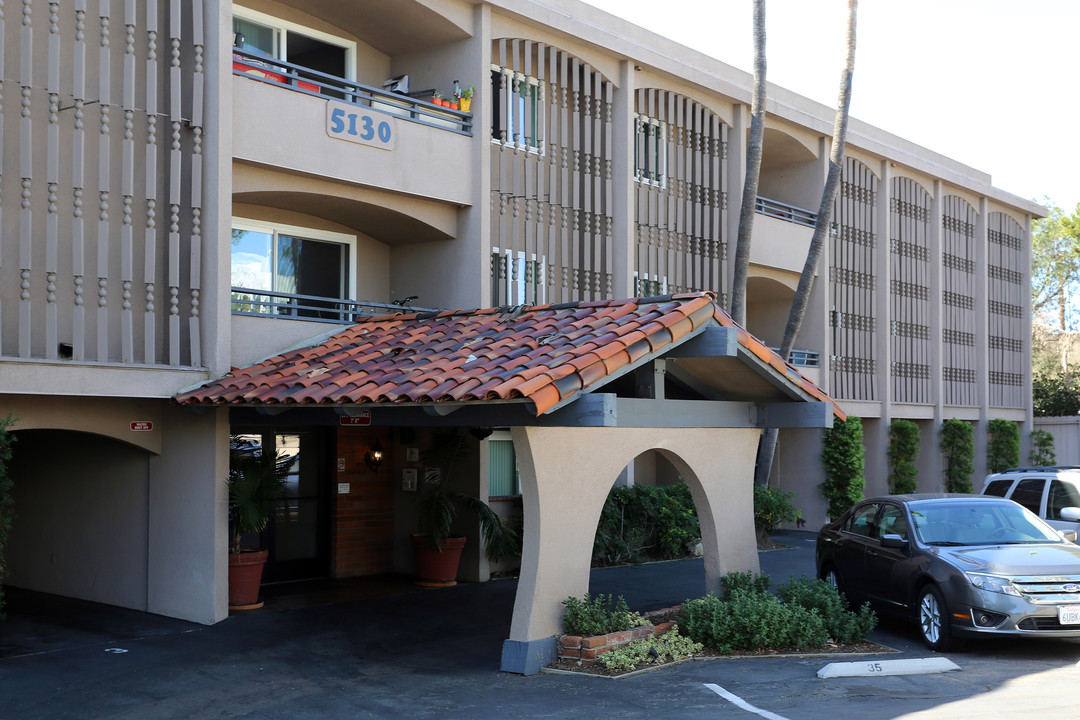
544, 353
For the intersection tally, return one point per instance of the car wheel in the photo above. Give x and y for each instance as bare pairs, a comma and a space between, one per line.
934, 621
829, 575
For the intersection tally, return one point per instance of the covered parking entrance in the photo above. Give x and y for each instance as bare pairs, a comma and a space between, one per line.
584, 388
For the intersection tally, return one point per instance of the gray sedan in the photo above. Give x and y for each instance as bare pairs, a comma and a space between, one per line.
958, 565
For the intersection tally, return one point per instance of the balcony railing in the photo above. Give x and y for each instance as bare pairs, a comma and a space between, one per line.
312, 82
783, 211
802, 358
264, 303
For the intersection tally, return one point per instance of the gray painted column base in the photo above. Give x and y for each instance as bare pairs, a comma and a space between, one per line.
526, 657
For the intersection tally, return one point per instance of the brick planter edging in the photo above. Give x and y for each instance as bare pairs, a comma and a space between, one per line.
585, 650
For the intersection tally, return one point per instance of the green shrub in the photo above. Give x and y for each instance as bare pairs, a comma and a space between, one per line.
599, 615
745, 581
843, 625
748, 620
806, 615
7, 502
657, 649
958, 446
644, 523
773, 506
903, 454
1042, 448
842, 458
1003, 448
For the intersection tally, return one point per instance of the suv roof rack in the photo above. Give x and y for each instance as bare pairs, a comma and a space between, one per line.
1042, 468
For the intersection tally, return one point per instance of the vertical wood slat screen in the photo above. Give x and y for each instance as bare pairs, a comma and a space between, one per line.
909, 219
88, 81
853, 312
959, 370
1006, 311
550, 176
679, 170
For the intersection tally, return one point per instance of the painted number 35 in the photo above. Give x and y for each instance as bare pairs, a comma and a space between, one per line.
360, 127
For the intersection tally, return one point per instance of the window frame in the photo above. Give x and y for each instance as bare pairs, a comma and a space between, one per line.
658, 152
283, 27
515, 482
301, 233
504, 116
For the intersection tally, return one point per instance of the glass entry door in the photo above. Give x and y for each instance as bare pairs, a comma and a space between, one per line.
297, 535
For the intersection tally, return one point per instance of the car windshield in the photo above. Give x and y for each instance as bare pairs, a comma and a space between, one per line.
960, 523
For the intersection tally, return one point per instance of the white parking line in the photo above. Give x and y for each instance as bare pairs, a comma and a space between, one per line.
736, 700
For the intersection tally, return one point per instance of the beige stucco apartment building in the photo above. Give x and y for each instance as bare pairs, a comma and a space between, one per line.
190, 186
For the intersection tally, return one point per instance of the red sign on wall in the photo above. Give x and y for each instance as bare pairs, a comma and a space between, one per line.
142, 426
362, 418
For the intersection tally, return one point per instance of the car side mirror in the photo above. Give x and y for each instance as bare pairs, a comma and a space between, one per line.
1068, 535
893, 541
1071, 513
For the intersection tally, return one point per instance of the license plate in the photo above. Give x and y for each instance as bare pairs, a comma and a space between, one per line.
1069, 615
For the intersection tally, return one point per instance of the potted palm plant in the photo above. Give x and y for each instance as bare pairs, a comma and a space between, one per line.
437, 549
255, 480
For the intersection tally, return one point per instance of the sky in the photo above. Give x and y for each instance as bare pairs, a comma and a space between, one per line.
990, 83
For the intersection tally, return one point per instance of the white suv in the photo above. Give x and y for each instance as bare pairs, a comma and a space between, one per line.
1052, 493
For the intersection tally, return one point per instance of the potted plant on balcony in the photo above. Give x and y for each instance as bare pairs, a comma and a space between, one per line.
255, 480
465, 99
437, 550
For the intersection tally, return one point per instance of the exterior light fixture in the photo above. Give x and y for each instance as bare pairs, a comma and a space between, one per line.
374, 457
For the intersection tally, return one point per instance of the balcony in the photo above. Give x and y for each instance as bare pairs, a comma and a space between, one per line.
414, 107
265, 323
286, 306
783, 211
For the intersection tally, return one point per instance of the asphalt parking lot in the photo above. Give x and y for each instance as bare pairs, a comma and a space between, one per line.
402, 653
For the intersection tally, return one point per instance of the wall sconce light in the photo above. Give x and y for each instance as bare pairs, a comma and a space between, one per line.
374, 457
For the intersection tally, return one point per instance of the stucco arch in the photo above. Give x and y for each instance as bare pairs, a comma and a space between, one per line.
769, 297
723, 113
134, 422
566, 474
791, 169
599, 64
391, 218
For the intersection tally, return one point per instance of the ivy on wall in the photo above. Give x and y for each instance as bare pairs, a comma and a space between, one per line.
1003, 449
1042, 448
903, 454
842, 457
958, 447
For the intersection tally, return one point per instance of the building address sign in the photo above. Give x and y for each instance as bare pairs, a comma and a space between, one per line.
353, 123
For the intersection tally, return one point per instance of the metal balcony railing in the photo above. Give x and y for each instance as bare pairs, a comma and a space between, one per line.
312, 82
802, 358
264, 303
783, 211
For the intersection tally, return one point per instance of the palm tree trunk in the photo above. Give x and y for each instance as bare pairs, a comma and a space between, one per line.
753, 171
821, 227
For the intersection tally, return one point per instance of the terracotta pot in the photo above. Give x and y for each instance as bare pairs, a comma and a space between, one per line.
434, 568
245, 576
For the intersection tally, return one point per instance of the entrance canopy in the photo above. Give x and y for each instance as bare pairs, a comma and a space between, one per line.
670, 361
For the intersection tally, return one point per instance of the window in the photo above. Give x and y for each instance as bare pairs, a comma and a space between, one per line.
503, 479
1029, 492
515, 115
1062, 495
646, 285
892, 522
862, 522
650, 150
290, 261
518, 280
266, 35
998, 488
